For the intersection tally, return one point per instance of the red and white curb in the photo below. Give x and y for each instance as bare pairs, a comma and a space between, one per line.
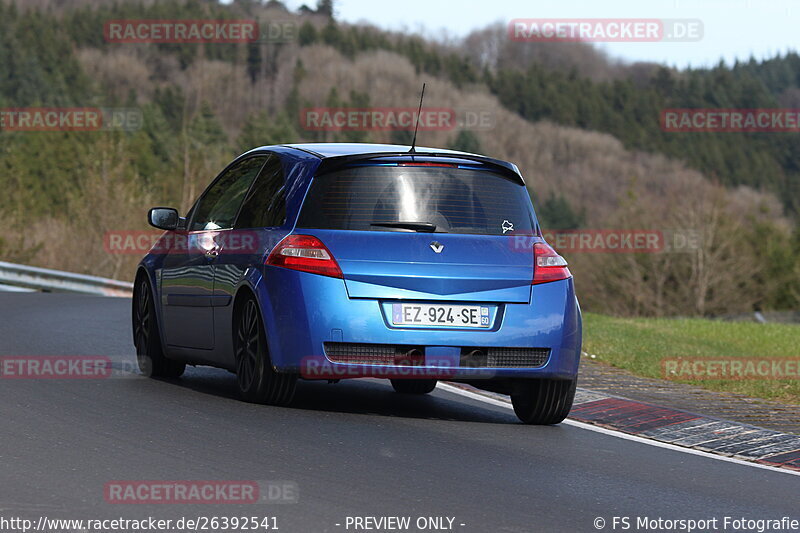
670, 428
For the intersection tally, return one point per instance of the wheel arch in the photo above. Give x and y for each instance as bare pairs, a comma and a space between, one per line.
252, 286
142, 272
243, 292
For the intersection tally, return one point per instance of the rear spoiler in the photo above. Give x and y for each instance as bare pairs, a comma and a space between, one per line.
505, 169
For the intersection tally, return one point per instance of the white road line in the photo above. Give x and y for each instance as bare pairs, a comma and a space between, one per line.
619, 434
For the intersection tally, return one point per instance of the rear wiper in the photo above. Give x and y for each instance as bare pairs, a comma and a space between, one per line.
423, 227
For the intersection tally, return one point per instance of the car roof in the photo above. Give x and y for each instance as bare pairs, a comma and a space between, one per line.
332, 153
339, 149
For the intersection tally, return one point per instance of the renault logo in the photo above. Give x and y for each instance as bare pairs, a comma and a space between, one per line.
437, 247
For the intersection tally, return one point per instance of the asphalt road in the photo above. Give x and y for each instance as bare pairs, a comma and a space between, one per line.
352, 449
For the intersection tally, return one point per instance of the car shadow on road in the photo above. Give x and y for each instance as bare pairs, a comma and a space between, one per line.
357, 396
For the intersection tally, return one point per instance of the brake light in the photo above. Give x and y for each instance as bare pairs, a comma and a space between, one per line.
548, 265
427, 164
305, 253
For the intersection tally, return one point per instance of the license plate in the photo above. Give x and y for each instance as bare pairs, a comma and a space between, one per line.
462, 316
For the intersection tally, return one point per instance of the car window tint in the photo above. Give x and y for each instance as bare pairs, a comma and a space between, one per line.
455, 200
265, 205
218, 206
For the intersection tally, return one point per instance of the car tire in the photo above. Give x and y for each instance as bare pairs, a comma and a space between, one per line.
256, 380
543, 401
413, 386
149, 351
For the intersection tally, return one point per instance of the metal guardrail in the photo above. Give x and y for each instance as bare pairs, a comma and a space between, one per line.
57, 280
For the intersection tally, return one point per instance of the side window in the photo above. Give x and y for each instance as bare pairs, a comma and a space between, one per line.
265, 205
218, 207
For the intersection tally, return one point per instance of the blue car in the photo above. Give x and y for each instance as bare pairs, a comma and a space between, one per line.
330, 261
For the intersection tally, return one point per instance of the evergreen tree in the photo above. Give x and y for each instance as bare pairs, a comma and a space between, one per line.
307, 34
262, 129
325, 7
557, 213
254, 61
465, 141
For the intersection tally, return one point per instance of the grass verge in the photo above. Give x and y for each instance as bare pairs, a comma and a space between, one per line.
640, 345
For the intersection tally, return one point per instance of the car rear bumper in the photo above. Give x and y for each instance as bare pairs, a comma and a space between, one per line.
306, 313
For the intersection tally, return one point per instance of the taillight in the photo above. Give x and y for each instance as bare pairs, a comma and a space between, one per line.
427, 164
548, 265
305, 253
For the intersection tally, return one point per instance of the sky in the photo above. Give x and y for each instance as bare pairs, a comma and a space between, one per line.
732, 29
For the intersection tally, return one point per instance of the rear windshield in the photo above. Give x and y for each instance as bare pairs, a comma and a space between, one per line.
454, 200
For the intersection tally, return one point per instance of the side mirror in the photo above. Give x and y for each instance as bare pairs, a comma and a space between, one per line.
164, 218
